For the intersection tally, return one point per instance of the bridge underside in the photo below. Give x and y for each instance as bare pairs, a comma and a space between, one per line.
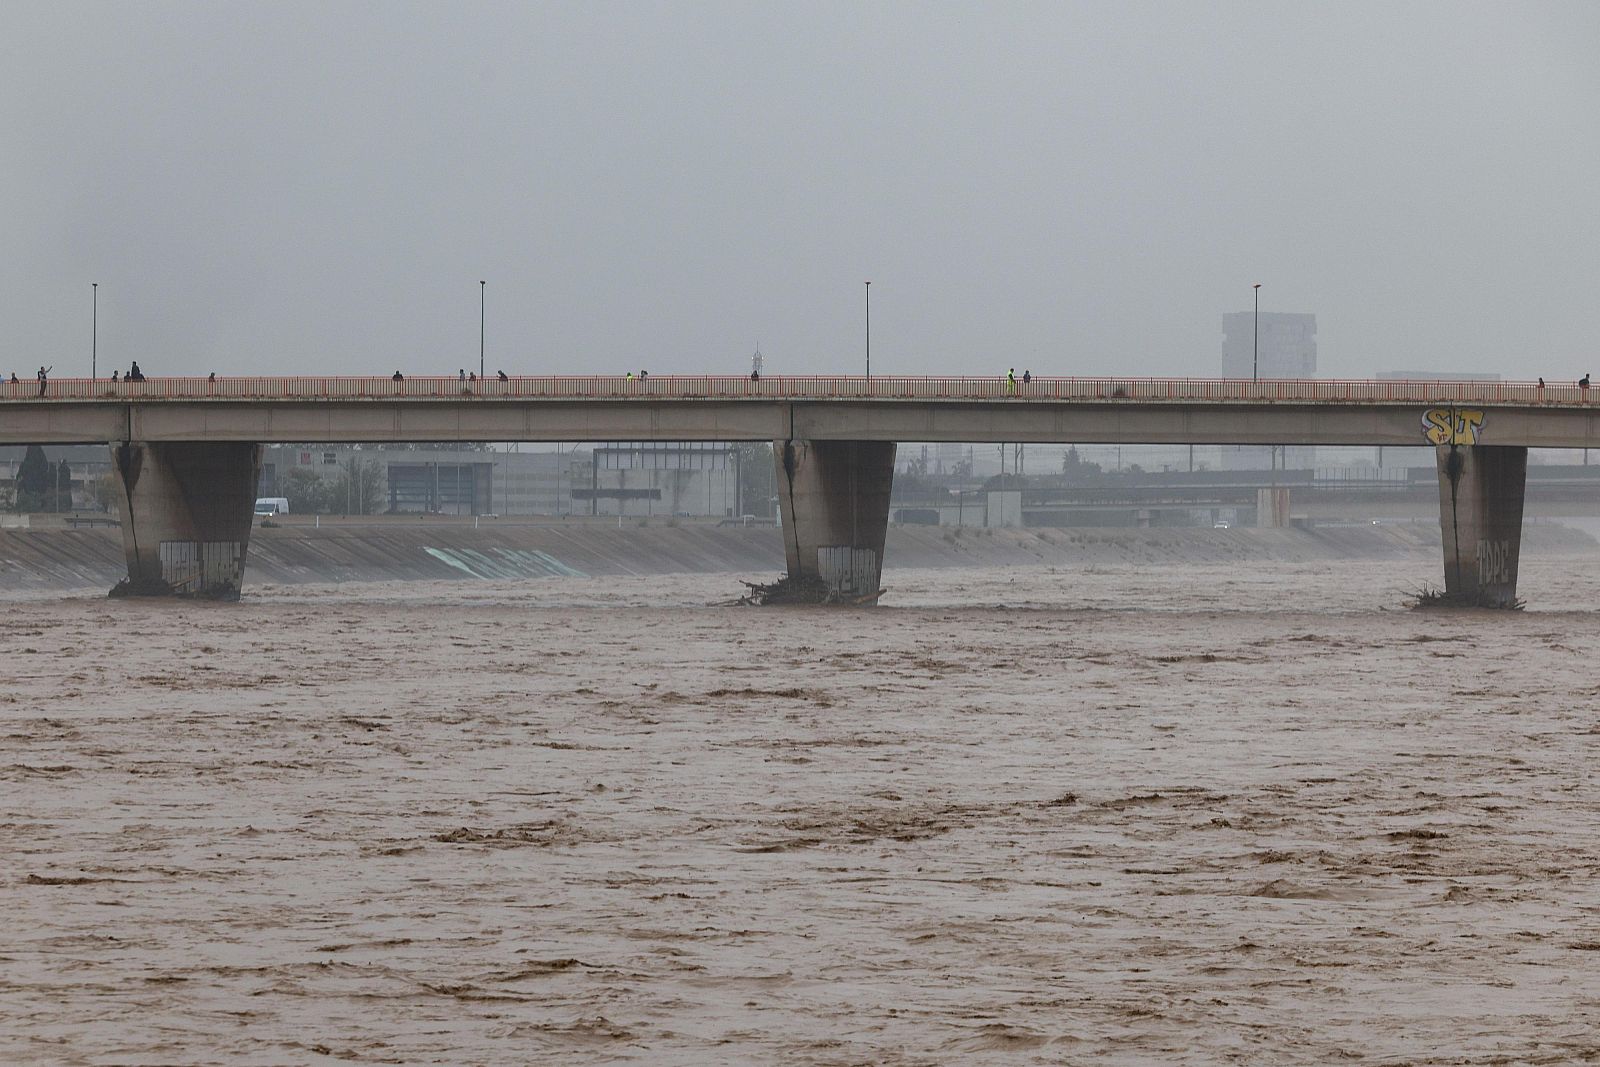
187, 512
1021, 421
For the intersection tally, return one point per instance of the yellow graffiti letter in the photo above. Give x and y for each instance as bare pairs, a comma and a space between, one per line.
1437, 426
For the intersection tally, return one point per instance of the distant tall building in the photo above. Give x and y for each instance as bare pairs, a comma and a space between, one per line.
1288, 345
1288, 349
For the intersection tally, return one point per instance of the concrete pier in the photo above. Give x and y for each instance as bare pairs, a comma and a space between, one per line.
834, 497
187, 509
1481, 490
1272, 508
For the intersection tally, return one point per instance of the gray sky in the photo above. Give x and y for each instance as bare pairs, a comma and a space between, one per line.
1078, 188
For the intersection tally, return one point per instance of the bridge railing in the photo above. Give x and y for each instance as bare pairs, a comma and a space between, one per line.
668, 387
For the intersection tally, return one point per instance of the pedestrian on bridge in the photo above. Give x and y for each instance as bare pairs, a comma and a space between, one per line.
134, 373
1583, 383
44, 376
114, 378
1011, 381
502, 375
397, 377
461, 374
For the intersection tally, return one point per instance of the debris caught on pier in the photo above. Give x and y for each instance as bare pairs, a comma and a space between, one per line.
143, 587
1429, 597
804, 590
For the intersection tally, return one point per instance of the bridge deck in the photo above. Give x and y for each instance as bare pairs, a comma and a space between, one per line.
610, 408
880, 388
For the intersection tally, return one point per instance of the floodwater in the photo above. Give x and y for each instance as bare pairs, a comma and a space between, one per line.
1206, 814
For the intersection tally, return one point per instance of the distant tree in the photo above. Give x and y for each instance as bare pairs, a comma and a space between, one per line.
33, 480
1075, 470
358, 490
306, 492
1072, 463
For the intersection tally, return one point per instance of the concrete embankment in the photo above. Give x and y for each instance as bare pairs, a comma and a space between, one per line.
393, 551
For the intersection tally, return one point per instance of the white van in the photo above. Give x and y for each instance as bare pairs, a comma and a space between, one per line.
272, 505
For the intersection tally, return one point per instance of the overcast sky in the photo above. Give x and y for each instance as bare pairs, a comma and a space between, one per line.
1075, 188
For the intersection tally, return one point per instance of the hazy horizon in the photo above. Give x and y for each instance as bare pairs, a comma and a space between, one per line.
1075, 188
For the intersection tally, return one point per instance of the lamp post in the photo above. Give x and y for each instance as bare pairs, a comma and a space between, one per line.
94, 332
869, 329
1255, 341
481, 297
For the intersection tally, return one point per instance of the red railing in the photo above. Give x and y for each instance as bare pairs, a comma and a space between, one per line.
665, 387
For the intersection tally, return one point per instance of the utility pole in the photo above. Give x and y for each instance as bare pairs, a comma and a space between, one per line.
869, 329
94, 335
482, 289
1255, 341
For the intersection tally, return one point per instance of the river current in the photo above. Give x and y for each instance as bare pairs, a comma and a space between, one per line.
1250, 813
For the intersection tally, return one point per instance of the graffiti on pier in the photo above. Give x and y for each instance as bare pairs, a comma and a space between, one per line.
1452, 426
1494, 562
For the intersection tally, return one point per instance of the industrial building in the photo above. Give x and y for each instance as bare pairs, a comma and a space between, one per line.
633, 479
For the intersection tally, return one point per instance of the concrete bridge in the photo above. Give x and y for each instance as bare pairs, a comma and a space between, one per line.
187, 450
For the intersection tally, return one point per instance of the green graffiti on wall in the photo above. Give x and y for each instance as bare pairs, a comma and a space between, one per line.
504, 563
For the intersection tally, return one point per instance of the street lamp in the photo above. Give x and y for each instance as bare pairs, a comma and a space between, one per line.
869, 329
94, 335
481, 285
1255, 342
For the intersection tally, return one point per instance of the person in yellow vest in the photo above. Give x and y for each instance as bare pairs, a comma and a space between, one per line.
1011, 381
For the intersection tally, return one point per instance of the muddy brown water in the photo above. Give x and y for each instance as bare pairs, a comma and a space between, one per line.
1176, 814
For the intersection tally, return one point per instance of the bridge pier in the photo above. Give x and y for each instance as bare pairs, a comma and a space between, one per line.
834, 497
1481, 490
186, 509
